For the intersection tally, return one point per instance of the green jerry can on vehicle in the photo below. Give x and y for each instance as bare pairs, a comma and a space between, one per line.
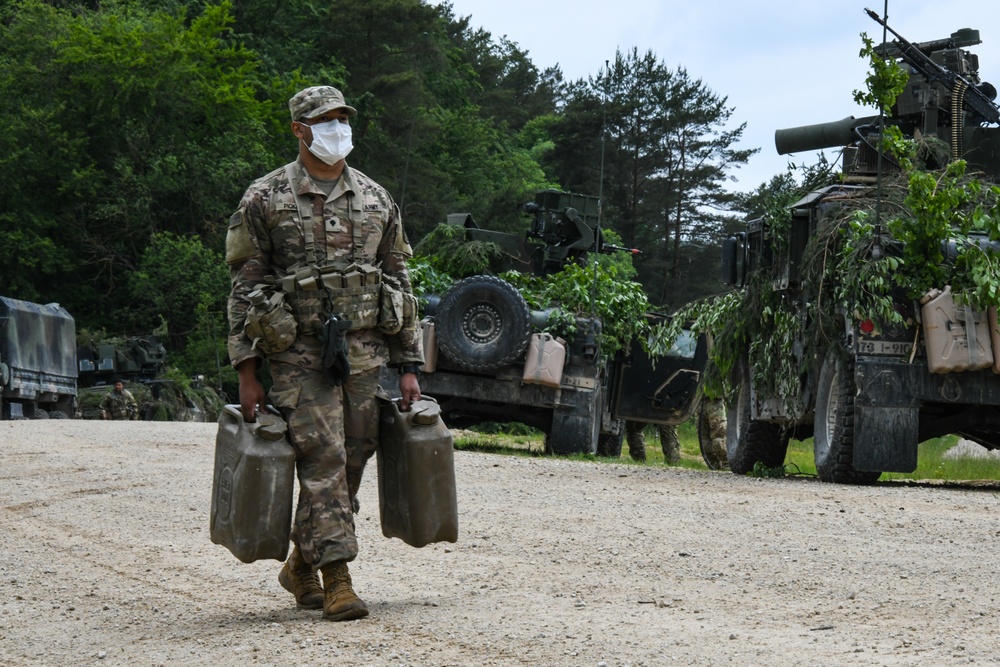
252, 486
416, 474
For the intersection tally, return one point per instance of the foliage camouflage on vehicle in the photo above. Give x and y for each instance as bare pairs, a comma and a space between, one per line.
827, 338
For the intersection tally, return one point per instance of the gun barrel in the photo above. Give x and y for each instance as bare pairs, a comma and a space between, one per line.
819, 136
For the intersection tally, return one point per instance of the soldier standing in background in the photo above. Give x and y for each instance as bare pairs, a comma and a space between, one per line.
712, 433
317, 257
119, 403
634, 434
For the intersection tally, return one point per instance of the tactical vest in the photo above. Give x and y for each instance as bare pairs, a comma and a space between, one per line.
354, 292
312, 292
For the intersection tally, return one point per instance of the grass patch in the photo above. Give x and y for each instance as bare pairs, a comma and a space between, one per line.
931, 462
519, 440
514, 439
496, 443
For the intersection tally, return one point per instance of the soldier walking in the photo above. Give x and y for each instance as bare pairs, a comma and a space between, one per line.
119, 403
317, 257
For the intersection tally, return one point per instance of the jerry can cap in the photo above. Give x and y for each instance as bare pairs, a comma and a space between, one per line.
270, 427
426, 413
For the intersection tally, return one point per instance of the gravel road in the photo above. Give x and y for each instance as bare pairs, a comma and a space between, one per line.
105, 559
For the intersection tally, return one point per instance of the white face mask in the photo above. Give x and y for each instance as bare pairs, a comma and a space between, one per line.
331, 141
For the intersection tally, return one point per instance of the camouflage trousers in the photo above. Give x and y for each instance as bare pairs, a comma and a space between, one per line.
669, 444
635, 435
334, 431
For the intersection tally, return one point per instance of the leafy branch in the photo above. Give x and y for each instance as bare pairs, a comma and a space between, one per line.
886, 78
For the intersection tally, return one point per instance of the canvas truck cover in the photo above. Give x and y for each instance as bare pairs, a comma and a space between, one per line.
37, 349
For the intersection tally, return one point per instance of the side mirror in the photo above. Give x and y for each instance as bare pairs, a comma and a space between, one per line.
734, 264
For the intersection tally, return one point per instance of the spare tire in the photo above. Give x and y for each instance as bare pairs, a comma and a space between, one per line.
482, 324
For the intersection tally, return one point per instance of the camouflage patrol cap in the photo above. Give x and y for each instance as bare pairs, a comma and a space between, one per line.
317, 100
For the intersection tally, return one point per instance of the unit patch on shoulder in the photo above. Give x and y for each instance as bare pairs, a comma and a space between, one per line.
239, 244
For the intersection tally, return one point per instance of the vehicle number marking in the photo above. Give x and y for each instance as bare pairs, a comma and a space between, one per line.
888, 347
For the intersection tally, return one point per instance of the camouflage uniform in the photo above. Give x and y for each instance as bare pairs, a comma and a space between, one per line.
636, 440
634, 433
334, 429
712, 433
669, 444
120, 405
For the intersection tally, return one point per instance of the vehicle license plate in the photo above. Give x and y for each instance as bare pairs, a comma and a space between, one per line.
887, 347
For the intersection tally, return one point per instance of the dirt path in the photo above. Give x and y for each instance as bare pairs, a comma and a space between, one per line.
106, 560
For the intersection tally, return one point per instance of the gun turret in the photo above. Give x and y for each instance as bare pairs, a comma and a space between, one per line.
959, 77
944, 100
565, 223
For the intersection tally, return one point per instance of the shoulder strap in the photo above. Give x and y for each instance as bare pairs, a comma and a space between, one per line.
350, 183
305, 215
357, 226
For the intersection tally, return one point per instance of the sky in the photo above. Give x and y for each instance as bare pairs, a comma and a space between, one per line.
780, 63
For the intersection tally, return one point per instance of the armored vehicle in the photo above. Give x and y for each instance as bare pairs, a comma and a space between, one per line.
869, 391
487, 362
37, 361
136, 358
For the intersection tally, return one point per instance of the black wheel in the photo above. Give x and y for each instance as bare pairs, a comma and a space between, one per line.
482, 324
577, 429
610, 444
40, 414
58, 414
833, 429
747, 441
713, 450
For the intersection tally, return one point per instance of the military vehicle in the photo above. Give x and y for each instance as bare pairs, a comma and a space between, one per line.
37, 361
485, 364
140, 362
871, 391
136, 358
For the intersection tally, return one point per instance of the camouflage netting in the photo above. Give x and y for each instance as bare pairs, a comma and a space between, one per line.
162, 400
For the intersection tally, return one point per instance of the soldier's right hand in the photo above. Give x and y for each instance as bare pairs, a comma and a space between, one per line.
253, 398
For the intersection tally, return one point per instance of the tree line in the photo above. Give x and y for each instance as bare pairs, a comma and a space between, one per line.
133, 127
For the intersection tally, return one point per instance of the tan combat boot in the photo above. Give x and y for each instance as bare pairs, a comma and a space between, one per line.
300, 579
341, 603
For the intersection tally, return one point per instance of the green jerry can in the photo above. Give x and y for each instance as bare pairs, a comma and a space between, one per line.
416, 474
252, 487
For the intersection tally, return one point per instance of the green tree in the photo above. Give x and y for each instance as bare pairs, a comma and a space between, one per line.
426, 87
182, 282
661, 136
122, 122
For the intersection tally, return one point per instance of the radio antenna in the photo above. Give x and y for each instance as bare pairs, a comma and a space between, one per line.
877, 246
600, 184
